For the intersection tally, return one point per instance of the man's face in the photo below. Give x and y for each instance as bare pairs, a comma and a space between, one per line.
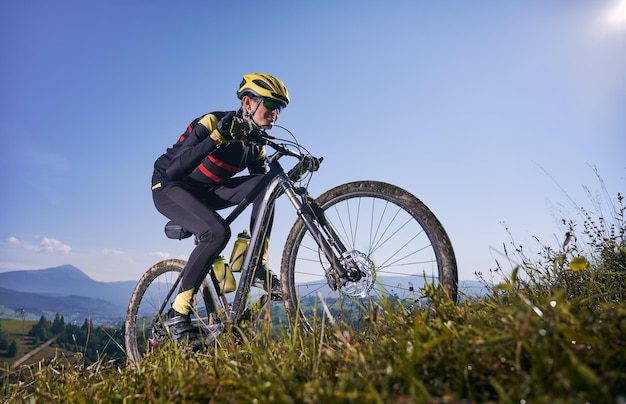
266, 113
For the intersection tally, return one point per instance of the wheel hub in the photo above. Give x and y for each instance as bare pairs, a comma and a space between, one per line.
360, 288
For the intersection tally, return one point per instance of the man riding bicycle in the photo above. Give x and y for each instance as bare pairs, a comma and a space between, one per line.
196, 177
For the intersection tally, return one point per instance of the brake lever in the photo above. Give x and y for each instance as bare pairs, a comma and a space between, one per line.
310, 163
258, 136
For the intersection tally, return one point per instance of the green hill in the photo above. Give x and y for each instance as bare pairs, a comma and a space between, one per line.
550, 331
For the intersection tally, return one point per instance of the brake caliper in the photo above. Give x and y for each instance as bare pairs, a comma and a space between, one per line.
360, 275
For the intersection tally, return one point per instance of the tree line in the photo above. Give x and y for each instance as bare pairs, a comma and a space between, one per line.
93, 342
10, 347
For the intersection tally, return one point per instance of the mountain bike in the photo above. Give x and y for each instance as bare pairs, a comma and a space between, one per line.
352, 247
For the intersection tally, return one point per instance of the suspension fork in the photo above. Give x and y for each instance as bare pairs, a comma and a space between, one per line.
322, 232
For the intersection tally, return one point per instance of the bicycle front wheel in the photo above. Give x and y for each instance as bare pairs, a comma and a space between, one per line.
144, 329
392, 235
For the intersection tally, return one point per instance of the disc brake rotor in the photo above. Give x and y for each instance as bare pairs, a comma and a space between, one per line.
360, 288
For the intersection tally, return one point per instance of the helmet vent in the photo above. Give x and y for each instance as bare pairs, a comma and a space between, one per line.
261, 83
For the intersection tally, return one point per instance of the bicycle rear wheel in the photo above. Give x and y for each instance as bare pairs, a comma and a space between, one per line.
396, 239
144, 323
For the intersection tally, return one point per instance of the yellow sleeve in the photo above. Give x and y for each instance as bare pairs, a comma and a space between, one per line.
209, 121
262, 154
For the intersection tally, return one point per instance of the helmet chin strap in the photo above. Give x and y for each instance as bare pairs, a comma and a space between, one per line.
250, 115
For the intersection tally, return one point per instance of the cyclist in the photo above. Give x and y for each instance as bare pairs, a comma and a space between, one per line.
196, 177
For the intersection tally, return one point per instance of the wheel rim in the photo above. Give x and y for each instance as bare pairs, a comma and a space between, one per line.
399, 253
148, 333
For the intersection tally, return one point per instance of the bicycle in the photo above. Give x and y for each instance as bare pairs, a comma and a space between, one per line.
353, 246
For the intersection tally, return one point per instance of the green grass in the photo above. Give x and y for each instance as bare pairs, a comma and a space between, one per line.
506, 349
552, 331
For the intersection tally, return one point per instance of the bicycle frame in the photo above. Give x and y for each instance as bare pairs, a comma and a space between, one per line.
398, 238
275, 183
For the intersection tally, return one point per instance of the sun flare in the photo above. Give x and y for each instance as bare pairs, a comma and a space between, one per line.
618, 14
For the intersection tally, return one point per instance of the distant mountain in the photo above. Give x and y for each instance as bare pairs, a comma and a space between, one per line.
70, 292
66, 280
74, 308
66, 290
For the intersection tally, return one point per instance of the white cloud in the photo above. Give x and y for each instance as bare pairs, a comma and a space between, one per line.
24, 244
47, 245
160, 255
113, 252
51, 245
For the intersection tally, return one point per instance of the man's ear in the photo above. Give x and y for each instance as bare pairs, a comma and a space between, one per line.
246, 102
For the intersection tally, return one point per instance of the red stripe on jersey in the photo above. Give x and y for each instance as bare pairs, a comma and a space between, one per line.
225, 166
209, 174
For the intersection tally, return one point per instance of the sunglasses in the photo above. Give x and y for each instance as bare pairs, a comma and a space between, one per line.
272, 104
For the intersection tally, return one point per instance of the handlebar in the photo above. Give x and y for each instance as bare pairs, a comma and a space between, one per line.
259, 136
306, 163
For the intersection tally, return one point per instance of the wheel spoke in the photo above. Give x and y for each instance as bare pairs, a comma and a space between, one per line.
381, 225
144, 330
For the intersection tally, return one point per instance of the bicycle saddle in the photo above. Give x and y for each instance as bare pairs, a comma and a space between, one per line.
175, 231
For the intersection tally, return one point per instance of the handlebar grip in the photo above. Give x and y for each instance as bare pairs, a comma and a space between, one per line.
256, 136
307, 163
310, 163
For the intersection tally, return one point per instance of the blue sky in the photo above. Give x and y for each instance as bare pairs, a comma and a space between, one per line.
493, 113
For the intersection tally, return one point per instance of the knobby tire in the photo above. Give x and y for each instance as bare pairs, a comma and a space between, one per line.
148, 295
404, 243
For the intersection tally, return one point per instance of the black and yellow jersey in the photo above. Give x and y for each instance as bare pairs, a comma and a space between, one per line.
194, 158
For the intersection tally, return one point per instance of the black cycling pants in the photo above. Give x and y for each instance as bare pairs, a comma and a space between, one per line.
196, 211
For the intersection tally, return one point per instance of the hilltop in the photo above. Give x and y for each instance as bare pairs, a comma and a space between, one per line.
65, 290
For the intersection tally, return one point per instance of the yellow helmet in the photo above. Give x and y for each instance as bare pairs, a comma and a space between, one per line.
263, 85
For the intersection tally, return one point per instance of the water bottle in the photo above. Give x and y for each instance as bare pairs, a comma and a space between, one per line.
224, 275
241, 244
